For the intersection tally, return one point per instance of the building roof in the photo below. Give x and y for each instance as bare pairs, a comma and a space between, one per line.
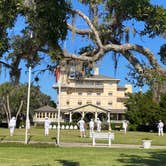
99, 77
89, 105
112, 111
46, 108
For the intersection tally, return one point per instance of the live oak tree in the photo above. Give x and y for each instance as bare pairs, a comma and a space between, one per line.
44, 24
107, 31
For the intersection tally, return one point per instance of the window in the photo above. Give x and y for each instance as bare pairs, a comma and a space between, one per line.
98, 93
67, 102
110, 94
80, 93
98, 83
69, 92
109, 103
79, 102
98, 103
89, 93
89, 102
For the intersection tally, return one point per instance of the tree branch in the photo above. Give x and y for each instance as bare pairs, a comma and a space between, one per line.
87, 20
20, 107
132, 47
79, 31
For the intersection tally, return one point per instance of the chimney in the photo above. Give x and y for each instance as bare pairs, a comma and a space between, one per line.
96, 71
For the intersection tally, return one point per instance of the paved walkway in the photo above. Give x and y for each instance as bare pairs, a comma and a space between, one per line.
64, 144
99, 145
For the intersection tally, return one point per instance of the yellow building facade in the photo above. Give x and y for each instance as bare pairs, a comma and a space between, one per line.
96, 96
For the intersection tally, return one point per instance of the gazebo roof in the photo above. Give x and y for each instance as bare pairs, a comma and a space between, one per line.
46, 108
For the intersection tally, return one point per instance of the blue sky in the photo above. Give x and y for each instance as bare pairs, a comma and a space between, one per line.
105, 65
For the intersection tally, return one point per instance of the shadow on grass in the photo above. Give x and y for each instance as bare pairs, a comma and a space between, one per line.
54, 139
29, 138
2, 137
149, 159
68, 163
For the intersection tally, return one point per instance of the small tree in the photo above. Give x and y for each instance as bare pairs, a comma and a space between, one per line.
162, 104
143, 113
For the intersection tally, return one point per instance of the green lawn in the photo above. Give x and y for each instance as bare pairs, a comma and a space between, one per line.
73, 136
16, 154
22, 155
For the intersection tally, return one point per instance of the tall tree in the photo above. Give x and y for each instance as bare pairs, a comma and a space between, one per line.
109, 31
44, 26
14, 100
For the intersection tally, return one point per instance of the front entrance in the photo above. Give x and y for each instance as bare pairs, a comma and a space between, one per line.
103, 117
76, 116
88, 116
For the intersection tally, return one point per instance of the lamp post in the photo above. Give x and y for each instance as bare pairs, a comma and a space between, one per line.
28, 101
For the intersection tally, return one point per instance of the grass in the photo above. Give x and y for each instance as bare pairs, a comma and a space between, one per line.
73, 136
15, 155
44, 154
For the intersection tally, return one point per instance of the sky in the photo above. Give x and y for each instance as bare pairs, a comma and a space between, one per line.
105, 65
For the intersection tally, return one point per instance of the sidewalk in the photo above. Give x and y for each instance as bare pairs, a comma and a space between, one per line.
98, 145
64, 144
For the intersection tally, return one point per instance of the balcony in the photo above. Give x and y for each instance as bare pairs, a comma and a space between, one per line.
79, 86
122, 99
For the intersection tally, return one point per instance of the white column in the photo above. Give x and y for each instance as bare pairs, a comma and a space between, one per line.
95, 116
109, 120
70, 118
117, 116
83, 114
108, 114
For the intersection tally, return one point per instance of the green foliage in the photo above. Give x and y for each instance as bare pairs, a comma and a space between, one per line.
154, 17
162, 54
143, 113
48, 21
19, 93
162, 105
8, 13
44, 26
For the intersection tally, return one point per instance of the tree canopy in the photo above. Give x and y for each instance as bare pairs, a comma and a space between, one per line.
143, 113
14, 100
108, 31
43, 26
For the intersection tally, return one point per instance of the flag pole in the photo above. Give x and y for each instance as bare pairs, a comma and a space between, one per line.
59, 108
28, 101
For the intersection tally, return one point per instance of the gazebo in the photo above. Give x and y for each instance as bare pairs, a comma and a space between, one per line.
45, 111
